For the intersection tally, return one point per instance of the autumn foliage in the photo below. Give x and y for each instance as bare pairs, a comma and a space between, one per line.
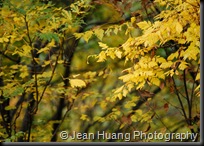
117, 66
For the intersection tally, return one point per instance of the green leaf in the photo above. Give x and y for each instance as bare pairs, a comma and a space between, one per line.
49, 36
161, 52
22, 11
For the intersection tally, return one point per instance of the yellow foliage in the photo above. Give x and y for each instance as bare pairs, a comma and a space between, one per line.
84, 117
102, 45
99, 33
24, 72
77, 83
101, 57
144, 25
87, 35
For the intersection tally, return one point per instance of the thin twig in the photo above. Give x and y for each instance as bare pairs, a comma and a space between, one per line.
187, 96
68, 109
48, 82
35, 76
33, 58
180, 101
3, 53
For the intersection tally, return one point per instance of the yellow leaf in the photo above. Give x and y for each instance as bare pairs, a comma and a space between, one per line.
166, 64
100, 119
6, 40
14, 66
144, 24
24, 72
1, 40
84, 117
118, 54
126, 78
183, 65
101, 73
51, 44
99, 33
133, 19
1, 74
120, 96
191, 53
102, 45
151, 39
87, 35
111, 54
125, 92
26, 49
122, 125
160, 59
152, 64
78, 35
134, 118
77, 83
60, 61
46, 49
116, 30
197, 77
179, 27
101, 57
16, 19
130, 86
103, 104
119, 89
129, 104
173, 55
45, 63
155, 81
139, 112
45, 74
160, 74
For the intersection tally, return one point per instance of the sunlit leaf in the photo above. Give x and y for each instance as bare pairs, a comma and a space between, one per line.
87, 35
77, 83
144, 24
84, 117
179, 27
99, 33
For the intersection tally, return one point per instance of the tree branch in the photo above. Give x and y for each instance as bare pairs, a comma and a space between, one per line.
187, 97
180, 102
